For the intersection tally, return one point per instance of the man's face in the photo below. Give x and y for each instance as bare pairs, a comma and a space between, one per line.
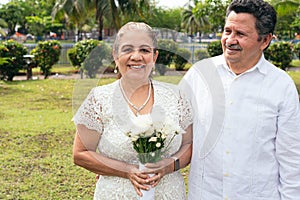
240, 41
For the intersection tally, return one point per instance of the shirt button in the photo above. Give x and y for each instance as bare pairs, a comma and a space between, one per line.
227, 152
230, 102
226, 174
226, 198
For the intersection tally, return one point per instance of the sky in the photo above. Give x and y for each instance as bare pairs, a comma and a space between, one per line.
3, 1
162, 3
171, 4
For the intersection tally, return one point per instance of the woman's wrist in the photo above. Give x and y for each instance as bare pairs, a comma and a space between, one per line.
176, 163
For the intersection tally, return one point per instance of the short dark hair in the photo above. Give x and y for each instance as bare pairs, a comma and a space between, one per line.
264, 13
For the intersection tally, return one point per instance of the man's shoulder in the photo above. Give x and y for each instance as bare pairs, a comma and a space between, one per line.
212, 61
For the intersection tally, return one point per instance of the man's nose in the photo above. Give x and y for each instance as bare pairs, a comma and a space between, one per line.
231, 39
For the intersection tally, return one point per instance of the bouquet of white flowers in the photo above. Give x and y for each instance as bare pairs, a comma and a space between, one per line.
149, 137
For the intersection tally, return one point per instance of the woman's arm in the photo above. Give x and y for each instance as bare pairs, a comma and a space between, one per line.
85, 155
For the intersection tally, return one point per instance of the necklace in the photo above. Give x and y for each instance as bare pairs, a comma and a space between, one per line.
137, 109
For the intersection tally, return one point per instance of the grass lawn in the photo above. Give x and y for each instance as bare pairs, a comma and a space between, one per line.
36, 138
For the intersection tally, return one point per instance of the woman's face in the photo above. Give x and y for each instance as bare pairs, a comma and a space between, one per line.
135, 56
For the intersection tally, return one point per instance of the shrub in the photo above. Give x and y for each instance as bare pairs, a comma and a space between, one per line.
100, 54
296, 49
201, 54
89, 55
167, 50
214, 48
12, 54
181, 58
280, 54
73, 58
46, 54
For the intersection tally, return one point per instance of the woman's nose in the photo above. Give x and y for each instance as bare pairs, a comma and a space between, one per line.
135, 55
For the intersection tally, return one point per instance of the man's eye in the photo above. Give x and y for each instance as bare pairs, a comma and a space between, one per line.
227, 31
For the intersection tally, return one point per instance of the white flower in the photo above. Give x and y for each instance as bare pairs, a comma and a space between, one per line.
153, 139
140, 124
158, 144
134, 138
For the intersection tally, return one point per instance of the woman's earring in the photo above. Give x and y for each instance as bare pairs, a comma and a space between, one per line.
153, 71
116, 69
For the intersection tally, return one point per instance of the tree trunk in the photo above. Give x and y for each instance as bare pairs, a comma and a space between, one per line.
100, 21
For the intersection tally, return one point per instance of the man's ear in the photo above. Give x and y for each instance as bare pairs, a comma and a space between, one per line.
266, 41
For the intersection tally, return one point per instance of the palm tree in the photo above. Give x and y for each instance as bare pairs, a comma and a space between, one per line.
111, 10
74, 11
194, 21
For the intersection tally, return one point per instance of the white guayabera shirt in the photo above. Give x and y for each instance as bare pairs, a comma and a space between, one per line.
246, 133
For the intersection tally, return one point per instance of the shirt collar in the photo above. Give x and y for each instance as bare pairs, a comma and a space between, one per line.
220, 61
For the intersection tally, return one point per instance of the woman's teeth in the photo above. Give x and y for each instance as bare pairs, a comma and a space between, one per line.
137, 67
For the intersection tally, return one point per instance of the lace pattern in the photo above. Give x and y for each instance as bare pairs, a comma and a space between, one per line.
106, 111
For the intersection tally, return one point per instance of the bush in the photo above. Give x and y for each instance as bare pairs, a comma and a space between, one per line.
89, 55
46, 54
73, 58
181, 58
296, 49
280, 54
201, 54
12, 54
167, 50
100, 54
214, 48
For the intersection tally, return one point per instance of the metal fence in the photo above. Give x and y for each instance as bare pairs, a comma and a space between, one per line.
63, 60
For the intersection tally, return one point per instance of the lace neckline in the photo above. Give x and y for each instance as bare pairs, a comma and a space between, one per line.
137, 109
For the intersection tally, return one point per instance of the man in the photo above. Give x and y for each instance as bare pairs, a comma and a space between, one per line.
246, 142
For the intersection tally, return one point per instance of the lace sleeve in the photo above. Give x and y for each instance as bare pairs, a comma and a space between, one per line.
89, 114
185, 108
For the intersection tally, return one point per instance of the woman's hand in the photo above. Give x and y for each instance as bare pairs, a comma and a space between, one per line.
160, 169
139, 180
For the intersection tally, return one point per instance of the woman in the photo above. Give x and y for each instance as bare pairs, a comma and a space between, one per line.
105, 115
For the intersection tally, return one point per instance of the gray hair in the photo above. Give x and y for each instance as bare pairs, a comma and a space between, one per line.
135, 27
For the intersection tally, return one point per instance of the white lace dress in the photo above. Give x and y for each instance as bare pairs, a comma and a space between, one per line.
106, 111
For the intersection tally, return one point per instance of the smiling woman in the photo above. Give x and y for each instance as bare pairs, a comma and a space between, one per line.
109, 113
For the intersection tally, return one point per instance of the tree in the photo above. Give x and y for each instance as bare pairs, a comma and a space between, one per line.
288, 16
215, 10
74, 12
168, 21
194, 20
3, 24
13, 14
115, 11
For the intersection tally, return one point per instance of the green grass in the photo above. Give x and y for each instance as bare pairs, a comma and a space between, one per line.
36, 138
295, 63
